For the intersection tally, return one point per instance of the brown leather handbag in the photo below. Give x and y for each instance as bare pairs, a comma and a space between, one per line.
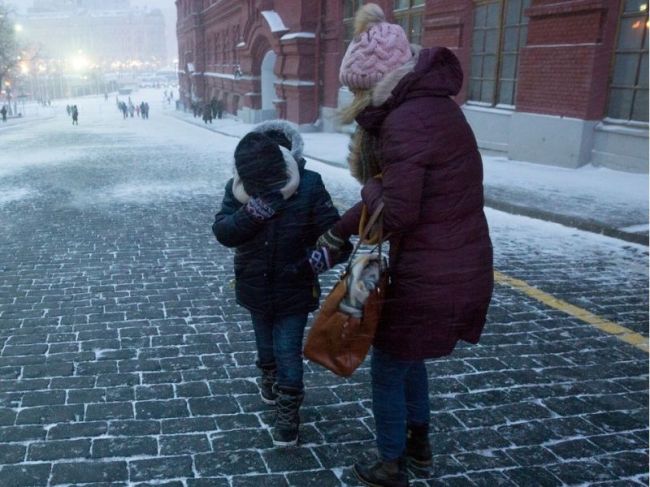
340, 341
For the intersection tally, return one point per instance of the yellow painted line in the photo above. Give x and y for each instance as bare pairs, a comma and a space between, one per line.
620, 332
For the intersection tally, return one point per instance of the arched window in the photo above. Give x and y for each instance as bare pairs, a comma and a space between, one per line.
628, 88
409, 14
350, 8
500, 31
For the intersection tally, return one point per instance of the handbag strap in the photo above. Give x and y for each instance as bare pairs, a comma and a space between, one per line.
366, 231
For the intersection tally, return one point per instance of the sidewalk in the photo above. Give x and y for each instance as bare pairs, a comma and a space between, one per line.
33, 113
598, 200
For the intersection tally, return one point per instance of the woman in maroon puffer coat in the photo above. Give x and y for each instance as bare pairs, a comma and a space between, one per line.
415, 134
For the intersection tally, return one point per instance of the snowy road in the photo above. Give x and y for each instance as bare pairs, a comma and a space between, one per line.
122, 348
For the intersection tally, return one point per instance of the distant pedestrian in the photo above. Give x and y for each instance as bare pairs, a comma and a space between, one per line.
213, 106
75, 115
68, 110
146, 110
207, 114
3, 111
220, 107
137, 110
272, 212
131, 110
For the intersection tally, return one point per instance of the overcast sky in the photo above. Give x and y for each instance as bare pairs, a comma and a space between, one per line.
167, 6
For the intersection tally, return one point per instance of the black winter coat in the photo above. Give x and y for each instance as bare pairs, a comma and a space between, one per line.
268, 276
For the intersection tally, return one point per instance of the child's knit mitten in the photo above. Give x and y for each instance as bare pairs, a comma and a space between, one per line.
264, 207
320, 259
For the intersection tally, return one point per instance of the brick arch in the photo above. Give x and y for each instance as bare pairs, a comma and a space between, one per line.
259, 47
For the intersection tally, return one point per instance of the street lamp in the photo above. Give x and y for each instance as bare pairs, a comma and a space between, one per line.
18, 28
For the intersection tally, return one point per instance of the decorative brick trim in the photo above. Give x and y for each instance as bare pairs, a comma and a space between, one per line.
565, 8
443, 23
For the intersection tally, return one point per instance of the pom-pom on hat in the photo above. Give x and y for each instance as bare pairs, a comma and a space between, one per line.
377, 49
260, 164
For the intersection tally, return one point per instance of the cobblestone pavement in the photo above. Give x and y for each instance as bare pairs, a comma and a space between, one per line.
124, 359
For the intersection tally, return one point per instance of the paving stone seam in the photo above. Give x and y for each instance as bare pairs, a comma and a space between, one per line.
622, 333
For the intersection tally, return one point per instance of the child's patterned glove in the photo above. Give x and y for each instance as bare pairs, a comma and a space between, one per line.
264, 207
320, 259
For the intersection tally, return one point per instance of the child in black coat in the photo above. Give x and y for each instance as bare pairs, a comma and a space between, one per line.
273, 212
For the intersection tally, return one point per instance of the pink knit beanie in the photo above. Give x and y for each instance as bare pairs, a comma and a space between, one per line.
377, 49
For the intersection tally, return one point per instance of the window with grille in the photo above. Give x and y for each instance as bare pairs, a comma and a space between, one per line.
350, 8
628, 89
409, 14
500, 31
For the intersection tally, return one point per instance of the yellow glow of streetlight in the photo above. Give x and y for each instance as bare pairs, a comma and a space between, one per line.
79, 62
18, 28
24, 68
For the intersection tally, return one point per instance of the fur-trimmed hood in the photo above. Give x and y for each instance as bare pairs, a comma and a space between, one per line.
431, 72
288, 190
289, 130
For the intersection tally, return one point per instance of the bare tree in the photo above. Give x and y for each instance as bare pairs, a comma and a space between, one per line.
8, 44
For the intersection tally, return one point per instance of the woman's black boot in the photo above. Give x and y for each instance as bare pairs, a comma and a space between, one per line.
418, 448
383, 474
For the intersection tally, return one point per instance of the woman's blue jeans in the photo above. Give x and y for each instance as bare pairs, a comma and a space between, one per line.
400, 396
279, 344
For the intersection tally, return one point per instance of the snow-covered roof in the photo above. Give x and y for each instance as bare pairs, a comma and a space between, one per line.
274, 20
295, 82
298, 35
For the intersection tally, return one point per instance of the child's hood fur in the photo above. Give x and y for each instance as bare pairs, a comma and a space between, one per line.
293, 173
290, 131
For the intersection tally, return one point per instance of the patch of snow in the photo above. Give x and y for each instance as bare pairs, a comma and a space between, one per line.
140, 192
298, 35
295, 82
641, 228
274, 20
589, 180
17, 194
100, 352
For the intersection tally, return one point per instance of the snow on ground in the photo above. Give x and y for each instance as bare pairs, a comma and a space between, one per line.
142, 192
610, 185
588, 192
610, 198
327, 146
202, 163
547, 238
8, 195
15, 161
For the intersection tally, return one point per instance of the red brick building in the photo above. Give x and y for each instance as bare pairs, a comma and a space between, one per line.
561, 82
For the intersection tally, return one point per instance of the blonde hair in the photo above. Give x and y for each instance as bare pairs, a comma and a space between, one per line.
361, 100
368, 15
